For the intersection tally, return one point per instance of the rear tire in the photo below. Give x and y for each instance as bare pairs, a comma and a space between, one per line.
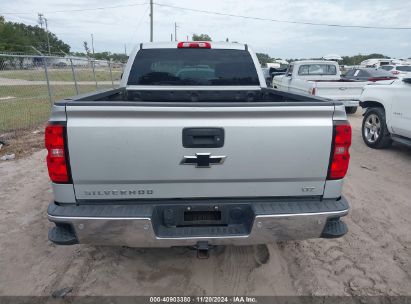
374, 129
350, 110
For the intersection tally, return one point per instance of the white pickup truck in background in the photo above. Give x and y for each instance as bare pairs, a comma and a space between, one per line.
320, 78
388, 113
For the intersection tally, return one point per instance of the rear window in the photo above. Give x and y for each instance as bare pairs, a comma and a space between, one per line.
379, 73
193, 67
404, 68
363, 73
317, 69
350, 73
387, 67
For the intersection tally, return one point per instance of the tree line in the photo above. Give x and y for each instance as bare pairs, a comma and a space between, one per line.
22, 38
30, 40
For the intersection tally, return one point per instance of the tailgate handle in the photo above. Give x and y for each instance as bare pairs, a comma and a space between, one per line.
203, 137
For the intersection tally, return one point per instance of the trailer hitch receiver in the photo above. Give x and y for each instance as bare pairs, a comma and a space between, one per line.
203, 250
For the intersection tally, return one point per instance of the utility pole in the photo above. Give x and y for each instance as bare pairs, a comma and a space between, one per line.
171, 36
151, 21
41, 21
175, 31
47, 33
125, 49
92, 44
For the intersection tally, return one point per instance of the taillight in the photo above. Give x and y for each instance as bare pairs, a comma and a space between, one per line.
57, 156
194, 45
340, 154
374, 79
313, 91
395, 72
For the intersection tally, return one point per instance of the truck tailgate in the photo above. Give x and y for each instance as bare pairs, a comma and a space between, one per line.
339, 90
132, 152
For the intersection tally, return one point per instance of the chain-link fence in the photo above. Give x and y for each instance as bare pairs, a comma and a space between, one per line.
29, 85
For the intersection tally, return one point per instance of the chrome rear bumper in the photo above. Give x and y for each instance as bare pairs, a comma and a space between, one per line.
136, 226
350, 103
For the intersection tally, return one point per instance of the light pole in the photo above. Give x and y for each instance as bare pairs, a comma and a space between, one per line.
41, 20
175, 31
151, 21
47, 33
92, 44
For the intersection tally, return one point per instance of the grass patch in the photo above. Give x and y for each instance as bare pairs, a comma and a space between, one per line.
82, 74
30, 105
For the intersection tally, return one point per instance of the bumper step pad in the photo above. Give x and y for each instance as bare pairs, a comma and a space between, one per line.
334, 229
63, 235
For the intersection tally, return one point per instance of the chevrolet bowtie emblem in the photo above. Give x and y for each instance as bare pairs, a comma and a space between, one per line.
203, 160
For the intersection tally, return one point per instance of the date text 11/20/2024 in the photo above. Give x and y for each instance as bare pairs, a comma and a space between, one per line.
203, 299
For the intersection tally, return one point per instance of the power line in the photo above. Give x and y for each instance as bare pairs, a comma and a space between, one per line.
219, 14
76, 10
139, 23
281, 21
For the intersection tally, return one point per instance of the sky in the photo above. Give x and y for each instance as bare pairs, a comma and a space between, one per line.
128, 25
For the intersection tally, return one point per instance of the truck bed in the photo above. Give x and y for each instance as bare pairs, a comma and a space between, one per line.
203, 96
138, 139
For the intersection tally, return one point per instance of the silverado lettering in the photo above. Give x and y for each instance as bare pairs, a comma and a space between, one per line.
118, 192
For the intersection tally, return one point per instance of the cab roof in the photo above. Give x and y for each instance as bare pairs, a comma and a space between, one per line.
315, 62
173, 44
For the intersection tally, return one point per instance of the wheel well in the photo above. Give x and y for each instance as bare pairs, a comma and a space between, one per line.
371, 104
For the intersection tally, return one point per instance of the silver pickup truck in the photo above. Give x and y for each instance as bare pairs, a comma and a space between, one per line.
194, 150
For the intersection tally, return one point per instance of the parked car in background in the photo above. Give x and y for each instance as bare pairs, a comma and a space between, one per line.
267, 76
376, 62
270, 73
368, 74
398, 70
320, 78
60, 65
277, 71
388, 113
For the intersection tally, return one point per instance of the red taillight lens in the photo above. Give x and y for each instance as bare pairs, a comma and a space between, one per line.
395, 72
374, 79
340, 157
313, 91
194, 45
56, 157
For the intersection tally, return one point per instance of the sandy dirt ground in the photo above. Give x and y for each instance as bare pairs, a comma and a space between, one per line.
374, 258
